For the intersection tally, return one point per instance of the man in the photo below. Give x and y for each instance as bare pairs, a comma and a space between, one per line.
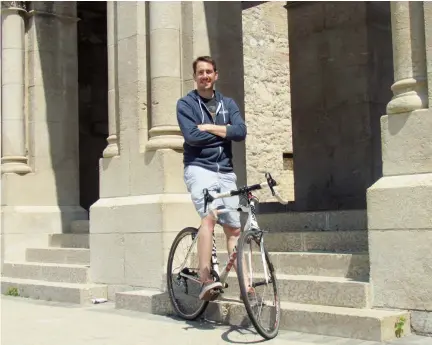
210, 122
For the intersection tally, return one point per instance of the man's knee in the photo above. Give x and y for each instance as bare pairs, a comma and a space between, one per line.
231, 231
208, 222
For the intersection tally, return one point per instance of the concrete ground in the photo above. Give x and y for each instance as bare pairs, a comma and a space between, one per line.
30, 322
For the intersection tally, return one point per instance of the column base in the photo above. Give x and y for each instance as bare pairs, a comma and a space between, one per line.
174, 142
131, 234
15, 165
112, 149
400, 233
409, 94
130, 237
165, 137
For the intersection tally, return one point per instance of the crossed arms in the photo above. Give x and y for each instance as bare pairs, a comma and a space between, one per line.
208, 135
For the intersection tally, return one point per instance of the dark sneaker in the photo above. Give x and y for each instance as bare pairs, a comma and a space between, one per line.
210, 290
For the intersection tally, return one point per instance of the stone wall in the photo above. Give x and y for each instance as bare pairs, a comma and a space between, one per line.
267, 95
341, 74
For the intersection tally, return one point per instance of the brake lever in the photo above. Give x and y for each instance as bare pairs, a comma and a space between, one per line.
271, 182
207, 198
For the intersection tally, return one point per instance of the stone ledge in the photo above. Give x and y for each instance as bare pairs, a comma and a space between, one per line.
366, 324
400, 202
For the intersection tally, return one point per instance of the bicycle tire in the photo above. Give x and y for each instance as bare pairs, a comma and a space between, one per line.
202, 307
260, 329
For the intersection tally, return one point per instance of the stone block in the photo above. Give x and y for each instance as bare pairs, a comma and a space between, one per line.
39, 219
14, 245
421, 321
127, 63
69, 241
400, 202
406, 143
165, 107
46, 189
107, 258
74, 256
313, 221
341, 265
126, 14
401, 268
165, 45
148, 168
365, 324
128, 246
51, 105
54, 291
114, 177
47, 272
143, 259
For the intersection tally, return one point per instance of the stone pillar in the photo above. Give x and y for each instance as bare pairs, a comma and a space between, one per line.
165, 74
410, 87
112, 149
14, 156
46, 201
143, 199
399, 204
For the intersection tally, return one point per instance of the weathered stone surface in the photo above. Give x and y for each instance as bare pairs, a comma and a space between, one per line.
337, 97
421, 321
401, 269
73, 256
407, 144
66, 273
54, 291
367, 324
267, 96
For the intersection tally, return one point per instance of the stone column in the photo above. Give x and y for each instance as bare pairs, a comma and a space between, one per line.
112, 149
165, 74
46, 201
399, 204
409, 57
143, 202
14, 157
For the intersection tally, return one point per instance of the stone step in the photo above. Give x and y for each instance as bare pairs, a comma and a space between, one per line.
310, 241
365, 324
53, 291
65, 273
347, 265
80, 226
69, 241
59, 255
329, 291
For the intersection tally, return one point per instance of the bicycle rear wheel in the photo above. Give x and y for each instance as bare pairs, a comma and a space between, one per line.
251, 273
184, 291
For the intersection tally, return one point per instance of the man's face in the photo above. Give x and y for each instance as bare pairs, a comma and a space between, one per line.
205, 76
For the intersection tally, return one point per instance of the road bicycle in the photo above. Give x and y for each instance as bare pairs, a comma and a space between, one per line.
184, 282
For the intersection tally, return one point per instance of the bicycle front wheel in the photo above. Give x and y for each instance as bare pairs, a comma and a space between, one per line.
184, 288
258, 284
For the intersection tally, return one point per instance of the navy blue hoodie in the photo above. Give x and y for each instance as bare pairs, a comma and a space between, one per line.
204, 149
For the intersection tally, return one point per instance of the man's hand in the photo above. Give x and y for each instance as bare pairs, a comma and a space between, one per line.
213, 129
205, 127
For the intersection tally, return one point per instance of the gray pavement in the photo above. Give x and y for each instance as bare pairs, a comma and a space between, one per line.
30, 322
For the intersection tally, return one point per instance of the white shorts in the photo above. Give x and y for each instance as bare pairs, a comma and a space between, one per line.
197, 178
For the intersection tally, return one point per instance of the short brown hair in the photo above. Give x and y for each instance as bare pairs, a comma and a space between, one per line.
208, 59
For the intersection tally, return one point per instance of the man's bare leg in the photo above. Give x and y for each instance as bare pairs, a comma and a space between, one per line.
205, 244
232, 236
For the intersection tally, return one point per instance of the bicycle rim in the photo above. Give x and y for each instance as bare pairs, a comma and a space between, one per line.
251, 270
183, 292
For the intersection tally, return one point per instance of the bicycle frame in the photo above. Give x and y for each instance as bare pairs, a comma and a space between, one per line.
251, 224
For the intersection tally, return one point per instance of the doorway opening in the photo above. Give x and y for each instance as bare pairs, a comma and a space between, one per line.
93, 95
